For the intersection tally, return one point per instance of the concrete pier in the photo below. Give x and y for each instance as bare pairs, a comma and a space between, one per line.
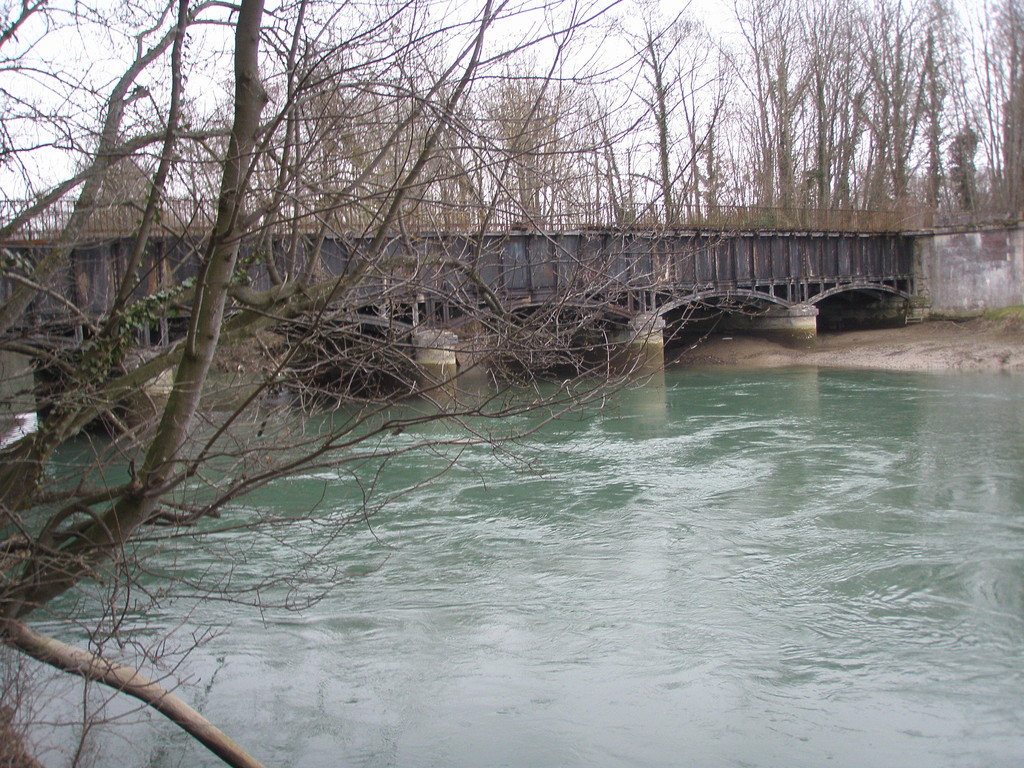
797, 324
435, 355
965, 274
640, 347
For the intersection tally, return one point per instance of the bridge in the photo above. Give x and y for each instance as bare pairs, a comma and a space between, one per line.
625, 272
640, 285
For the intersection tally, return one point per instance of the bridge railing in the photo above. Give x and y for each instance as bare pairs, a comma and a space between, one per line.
105, 220
194, 217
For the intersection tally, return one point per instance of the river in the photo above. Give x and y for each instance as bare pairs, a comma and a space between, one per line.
739, 568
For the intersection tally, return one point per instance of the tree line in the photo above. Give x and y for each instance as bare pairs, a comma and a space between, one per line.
633, 118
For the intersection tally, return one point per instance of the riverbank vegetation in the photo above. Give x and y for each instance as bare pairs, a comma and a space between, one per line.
251, 137
1010, 315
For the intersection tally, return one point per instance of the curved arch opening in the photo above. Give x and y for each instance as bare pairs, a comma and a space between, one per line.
689, 321
861, 309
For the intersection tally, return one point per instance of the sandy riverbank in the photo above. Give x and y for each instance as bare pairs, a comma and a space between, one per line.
977, 345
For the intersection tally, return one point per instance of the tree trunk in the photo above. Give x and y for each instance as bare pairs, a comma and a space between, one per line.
130, 681
109, 533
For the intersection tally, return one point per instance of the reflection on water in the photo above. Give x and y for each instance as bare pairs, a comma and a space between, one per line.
787, 568
16, 426
17, 401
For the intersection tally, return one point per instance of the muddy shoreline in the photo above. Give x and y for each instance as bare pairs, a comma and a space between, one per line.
971, 345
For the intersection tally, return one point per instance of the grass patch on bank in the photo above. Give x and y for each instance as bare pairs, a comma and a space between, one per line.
1006, 313
1008, 319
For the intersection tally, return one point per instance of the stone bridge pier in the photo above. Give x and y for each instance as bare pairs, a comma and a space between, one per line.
640, 346
797, 323
435, 355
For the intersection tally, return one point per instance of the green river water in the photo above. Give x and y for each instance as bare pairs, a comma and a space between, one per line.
782, 568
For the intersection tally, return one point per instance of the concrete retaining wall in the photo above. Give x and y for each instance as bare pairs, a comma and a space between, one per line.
967, 273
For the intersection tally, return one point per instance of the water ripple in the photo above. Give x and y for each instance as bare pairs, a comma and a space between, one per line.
786, 569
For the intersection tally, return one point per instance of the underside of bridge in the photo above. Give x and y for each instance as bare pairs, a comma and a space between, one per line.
401, 344
863, 308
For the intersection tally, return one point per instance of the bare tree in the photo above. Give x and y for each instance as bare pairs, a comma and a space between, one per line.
776, 81
995, 100
894, 49
836, 91
339, 131
682, 86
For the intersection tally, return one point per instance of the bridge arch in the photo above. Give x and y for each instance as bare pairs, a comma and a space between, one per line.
861, 304
593, 307
382, 323
707, 295
863, 287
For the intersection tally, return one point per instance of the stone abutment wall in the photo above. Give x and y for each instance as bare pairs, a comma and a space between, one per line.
964, 274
